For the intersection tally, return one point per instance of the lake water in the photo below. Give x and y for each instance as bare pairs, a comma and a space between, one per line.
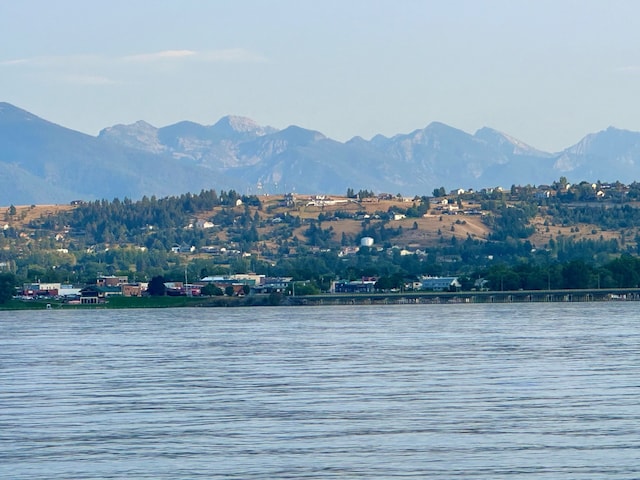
541, 391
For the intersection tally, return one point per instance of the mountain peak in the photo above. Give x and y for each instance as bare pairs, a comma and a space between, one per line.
11, 113
299, 135
433, 131
439, 125
234, 124
7, 107
237, 124
506, 143
137, 126
139, 135
607, 143
439, 128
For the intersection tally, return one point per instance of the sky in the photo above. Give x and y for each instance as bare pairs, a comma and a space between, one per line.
545, 72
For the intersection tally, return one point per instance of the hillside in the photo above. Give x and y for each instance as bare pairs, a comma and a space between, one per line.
272, 207
28, 213
567, 236
347, 219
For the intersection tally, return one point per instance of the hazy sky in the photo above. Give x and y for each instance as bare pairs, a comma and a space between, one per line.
546, 72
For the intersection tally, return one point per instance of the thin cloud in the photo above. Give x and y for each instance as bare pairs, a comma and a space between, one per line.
231, 55
159, 56
53, 61
238, 55
88, 80
10, 63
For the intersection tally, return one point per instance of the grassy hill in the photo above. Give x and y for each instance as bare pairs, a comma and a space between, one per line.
345, 216
350, 218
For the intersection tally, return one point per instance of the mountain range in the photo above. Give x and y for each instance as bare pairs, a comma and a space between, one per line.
42, 162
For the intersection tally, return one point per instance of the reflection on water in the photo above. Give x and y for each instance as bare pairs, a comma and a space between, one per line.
541, 391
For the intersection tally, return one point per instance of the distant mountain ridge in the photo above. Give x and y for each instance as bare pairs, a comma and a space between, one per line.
41, 162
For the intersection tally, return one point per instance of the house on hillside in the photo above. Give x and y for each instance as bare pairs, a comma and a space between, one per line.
183, 248
204, 224
289, 200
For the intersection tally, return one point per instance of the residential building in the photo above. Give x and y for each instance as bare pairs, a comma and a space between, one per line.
111, 281
272, 285
441, 284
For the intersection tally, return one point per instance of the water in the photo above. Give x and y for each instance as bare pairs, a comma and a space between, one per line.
541, 391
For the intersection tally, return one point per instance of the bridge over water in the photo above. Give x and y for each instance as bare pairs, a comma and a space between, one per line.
515, 296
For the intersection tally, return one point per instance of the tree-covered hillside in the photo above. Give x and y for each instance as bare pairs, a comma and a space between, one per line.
525, 237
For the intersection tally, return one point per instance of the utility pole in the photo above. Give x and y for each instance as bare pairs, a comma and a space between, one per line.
186, 290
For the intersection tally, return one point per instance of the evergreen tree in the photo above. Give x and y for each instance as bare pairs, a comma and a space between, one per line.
7, 287
211, 290
157, 287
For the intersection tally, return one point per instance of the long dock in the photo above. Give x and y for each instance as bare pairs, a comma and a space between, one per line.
516, 296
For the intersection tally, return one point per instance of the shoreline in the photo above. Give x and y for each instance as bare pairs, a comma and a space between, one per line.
396, 298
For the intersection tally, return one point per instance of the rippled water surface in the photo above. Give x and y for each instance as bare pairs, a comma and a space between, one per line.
545, 391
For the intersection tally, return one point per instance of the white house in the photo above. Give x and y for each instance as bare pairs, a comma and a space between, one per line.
204, 224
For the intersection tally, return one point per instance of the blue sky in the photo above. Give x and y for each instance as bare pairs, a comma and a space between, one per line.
545, 72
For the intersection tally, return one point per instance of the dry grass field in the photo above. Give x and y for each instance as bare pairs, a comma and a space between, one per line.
546, 231
431, 228
26, 213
